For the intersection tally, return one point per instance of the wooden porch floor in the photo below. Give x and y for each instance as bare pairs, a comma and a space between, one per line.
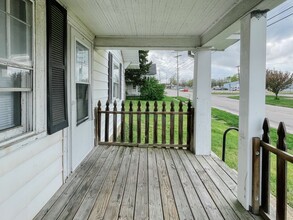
140, 183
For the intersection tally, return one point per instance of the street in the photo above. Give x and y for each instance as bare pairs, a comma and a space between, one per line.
274, 113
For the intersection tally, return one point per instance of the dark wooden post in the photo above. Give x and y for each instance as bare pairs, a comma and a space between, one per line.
180, 123
281, 212
122, 122
189, 123
164, 123
130, 122
99, 119
138, 122
147, 123
255, 174
115, 122
107, 122
155, 123
265, 183
172, 123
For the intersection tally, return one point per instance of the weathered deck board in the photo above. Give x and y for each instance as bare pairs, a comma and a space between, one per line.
140, 183
168, 202
142, 201
155, 204
206, 199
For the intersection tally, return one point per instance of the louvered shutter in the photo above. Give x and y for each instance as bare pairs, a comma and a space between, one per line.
57, 117
110, 76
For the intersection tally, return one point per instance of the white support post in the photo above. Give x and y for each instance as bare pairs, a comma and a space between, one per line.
252, 97
202, 102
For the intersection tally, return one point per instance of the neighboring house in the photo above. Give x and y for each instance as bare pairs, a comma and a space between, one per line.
134, 90
232, 86
59, 58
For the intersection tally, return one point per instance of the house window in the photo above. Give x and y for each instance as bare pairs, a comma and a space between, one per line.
16, 67
114, 78
82, 82
134, 86
116, 81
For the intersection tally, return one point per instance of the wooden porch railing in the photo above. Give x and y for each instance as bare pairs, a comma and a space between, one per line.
170, 129
261, 173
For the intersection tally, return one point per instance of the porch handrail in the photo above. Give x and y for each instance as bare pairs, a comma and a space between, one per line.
261, 173
134, 119
224, 141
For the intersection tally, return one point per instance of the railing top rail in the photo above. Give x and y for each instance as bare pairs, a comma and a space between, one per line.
282, 154
146, 112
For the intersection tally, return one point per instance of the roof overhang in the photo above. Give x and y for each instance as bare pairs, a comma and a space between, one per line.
131, 59
165, 24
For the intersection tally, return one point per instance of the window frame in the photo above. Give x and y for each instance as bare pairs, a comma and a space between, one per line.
88, 83
117, 64
27, 94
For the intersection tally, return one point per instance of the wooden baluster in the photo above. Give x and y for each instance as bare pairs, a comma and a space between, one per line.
255, 174
99, 119
164, 123
115, 122
281, 212
138, 122
147, 126
130, 122
122, 121
172, 123
265, 183
180, 124
107, 122
189, 123
155, 123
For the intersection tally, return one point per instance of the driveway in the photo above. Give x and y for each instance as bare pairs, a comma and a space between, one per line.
274, 113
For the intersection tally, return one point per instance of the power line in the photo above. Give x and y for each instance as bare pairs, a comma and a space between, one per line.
280, 20
280, 13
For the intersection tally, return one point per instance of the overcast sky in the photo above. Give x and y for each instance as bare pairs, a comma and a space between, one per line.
279, 50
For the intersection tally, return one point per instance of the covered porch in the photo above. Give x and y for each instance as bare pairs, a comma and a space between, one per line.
147, 183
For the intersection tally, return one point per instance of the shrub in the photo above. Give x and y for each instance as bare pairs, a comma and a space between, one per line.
152, 90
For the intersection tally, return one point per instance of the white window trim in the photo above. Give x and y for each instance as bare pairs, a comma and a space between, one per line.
116, 63
27, 126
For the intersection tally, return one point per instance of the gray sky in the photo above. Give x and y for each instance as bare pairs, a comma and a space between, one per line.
279, 50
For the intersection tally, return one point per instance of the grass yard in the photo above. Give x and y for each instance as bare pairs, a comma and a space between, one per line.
283, 101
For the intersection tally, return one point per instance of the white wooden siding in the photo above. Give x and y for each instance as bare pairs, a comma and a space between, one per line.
27, 173
100, 81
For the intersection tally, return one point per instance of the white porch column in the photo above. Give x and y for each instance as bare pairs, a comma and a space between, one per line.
252, 96
202, 102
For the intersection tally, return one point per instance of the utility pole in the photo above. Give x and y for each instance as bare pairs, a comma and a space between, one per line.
177, 56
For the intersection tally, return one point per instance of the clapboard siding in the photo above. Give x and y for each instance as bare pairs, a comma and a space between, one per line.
100, 80
40, 200
22, 182
35, 165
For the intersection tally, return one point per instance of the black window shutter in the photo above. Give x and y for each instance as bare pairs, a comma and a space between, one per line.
57, 117
110, 73
120, 83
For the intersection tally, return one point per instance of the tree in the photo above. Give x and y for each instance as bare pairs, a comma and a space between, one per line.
152, 90
277, 81
136, 76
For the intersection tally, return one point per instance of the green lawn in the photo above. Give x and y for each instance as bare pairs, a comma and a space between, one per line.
221, 120
284, 101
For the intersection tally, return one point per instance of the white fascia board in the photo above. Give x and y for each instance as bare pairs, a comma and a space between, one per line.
150, 43
218, 36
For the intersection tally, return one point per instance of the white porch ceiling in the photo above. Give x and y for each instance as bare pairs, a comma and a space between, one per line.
181, 24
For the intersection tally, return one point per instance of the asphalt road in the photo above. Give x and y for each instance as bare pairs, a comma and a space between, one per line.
274, 113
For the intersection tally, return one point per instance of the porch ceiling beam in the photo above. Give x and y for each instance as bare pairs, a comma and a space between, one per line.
227, 25
164, 43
